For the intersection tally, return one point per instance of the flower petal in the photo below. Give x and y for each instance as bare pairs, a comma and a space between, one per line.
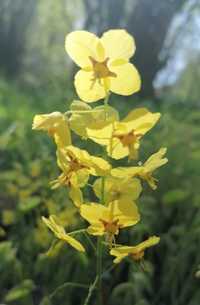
119, 189
93, 212
100, 167
151, 241
141, 120
101, 136
96, 230
59, 232
118, 44
136, 251
73, 242
126, 171
126, 212
81, 45
127, 81
155, 160
76, 196
116, 150
88, 90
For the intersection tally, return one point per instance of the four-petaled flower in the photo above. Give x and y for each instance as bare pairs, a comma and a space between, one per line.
104, 63
77, 165
144, 171
56, 125
84, 116
134, 252
123, 138
60, 233
118, 189
109, 219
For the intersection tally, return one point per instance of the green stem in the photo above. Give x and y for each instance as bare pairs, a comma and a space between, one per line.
76, 232
91, 288
102, 190
67, 284
82, 111
99, 250
106, 99
106, 103
99, 269
90, 242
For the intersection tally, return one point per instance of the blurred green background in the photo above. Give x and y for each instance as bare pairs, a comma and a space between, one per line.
36, 77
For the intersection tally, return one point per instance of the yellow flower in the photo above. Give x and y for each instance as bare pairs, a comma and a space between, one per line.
83, 117
109, 219
60, 233
119, 189
145, 171
56, 125
123, 138
135, 252
104, 63
77, 164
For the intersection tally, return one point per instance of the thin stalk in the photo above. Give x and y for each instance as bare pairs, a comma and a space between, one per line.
90, 242
106, 102
65, 285
106, 99
99, 269
76, 232
82, 111
91, 288
99, 250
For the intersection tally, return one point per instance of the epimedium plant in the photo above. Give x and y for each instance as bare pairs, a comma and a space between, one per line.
104, 68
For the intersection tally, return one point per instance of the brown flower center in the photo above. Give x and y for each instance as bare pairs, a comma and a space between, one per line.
101, 69
75, 164
111, 227
129, 138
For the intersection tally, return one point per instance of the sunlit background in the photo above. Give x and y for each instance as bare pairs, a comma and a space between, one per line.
36, 76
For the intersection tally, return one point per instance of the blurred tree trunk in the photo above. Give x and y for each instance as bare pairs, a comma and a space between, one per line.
149, 23
147, 20
15, 18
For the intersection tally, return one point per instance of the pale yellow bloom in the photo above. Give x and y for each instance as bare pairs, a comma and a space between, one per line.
123, 138
60, 233
144, 171
109, 219
104, 63
56, 125
83, 117
76, 165
134, 252
119, 189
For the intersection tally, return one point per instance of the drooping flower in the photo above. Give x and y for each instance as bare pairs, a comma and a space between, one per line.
104, 63
83, 117
144, 171
56, 125
76, 165
60, 233
134, 252
123, 138
119, 189
109, 219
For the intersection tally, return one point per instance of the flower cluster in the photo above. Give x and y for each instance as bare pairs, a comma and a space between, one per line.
104, 68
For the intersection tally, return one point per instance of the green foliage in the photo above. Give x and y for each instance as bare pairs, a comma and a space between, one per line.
20, 291
30, 273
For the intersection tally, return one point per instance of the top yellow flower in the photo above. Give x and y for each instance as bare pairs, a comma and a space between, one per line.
104, 64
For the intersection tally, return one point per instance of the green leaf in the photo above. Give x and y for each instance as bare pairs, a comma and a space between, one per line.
20, 291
